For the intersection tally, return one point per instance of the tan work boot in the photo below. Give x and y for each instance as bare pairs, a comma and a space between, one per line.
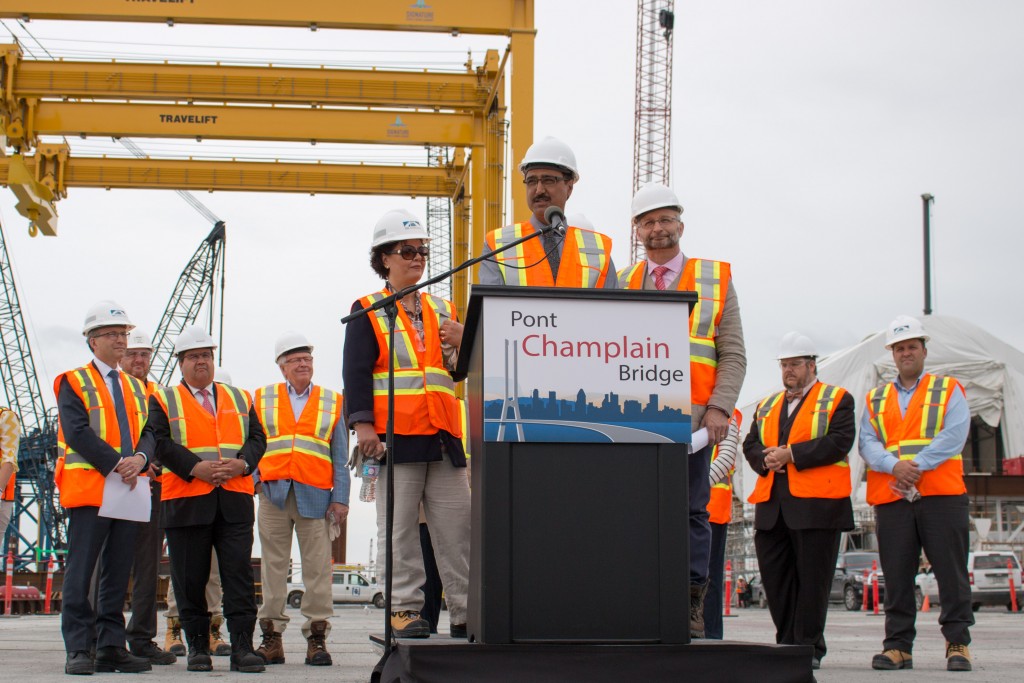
316, 645
271, 650
409, 624
890, 660
217, 644
958, 657
173, 643
697, 593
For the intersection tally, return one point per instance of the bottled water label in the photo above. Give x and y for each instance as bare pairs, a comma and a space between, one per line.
371, 468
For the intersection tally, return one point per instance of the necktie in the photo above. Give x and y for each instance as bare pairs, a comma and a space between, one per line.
659, 276
204, 399
554, 257
122, 415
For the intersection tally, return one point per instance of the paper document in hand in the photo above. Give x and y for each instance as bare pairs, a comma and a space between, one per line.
120, 501
699, 440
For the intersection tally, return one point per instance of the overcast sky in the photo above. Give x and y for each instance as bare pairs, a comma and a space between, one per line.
804, 133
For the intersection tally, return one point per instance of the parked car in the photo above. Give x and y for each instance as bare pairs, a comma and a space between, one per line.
349, 586
757, 596
989, 576
848, 580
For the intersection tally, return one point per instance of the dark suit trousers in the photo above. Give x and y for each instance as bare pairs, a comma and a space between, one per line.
189, 548
797, 567
716, 583
148, 548
700, 527
432, 587
939, 525
110, 541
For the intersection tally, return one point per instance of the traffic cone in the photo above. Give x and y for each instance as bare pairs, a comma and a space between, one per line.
926, 606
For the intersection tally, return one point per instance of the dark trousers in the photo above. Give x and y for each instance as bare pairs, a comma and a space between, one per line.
148, 548
96, 544
700, 527
939, 525
432, 588
797, 567
190, 548
716, 583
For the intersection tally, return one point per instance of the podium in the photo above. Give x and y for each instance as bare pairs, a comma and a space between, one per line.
580, 524
579, 426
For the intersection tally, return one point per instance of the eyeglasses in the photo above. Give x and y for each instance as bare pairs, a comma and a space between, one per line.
409, 252
112, 335
545, 180
792, 364
138, 353
196, 357
664, 223
298, 359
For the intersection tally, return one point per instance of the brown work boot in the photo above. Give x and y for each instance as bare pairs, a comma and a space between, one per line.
890, 660
173, 643
217, 644
697, 593
958, 657
271, 650
316, 645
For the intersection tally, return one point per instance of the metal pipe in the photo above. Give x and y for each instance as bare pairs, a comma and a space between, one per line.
926, 200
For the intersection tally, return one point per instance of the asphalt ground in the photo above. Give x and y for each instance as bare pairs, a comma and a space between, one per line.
31, 649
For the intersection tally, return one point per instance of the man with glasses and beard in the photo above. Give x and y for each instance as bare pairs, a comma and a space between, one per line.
575, 258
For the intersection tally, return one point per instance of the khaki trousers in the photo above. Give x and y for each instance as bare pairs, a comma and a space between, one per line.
214, 593
444, 492
276, 527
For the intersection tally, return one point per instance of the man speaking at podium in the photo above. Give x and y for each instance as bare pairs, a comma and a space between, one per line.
568, 256
718, 360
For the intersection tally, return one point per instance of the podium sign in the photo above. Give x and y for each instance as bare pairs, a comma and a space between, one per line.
579, 526
585, 370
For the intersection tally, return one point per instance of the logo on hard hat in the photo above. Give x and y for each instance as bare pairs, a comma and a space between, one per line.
411, 224
116, 311
900, 328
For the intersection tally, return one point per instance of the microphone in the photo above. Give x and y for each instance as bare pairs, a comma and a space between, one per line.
556, 219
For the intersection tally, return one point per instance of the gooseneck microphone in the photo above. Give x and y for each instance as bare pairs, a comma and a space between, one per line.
556, 219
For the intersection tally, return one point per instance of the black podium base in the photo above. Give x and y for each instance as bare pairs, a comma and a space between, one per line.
443, 660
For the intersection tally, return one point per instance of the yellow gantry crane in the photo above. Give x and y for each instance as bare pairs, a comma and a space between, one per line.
463, 111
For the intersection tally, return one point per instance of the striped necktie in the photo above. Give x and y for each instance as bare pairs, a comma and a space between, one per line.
659, 276
204, 400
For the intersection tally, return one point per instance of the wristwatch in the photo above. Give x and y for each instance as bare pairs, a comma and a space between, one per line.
248, 470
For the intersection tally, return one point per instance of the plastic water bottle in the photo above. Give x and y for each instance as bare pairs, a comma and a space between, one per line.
371, 469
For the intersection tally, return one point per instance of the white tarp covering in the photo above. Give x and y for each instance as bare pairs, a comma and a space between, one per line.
991, 371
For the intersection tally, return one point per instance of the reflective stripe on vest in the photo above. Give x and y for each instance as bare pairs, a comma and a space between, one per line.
526, 264
424, 390
710, 280
811, 422
79, 482
298, 449
907, 435
207, 436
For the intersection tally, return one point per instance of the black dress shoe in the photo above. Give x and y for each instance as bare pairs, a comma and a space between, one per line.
153, 653
79, 663
113, 658
458, 630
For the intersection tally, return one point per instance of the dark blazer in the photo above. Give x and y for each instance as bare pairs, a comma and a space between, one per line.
234, 507
805, 513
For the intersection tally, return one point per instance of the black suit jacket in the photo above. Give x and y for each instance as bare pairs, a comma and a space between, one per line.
805, 513
234, 507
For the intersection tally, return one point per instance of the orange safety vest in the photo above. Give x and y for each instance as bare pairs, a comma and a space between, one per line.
208, 437
300, 451
906, 435
425, 400
79, 482
710, 279
720, 504
8, 485
526, 265
811, 422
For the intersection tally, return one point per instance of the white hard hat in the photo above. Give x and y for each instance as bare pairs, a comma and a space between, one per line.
193, 337
140, 340
104, 314
654, 196
397, 225
902, 328
550, 152
578, 220
796, 345
289, 341
221, 375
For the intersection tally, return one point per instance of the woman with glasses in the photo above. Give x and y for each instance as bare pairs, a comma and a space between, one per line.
429, 460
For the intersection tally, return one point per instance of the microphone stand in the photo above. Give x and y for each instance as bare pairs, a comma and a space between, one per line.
390, 306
